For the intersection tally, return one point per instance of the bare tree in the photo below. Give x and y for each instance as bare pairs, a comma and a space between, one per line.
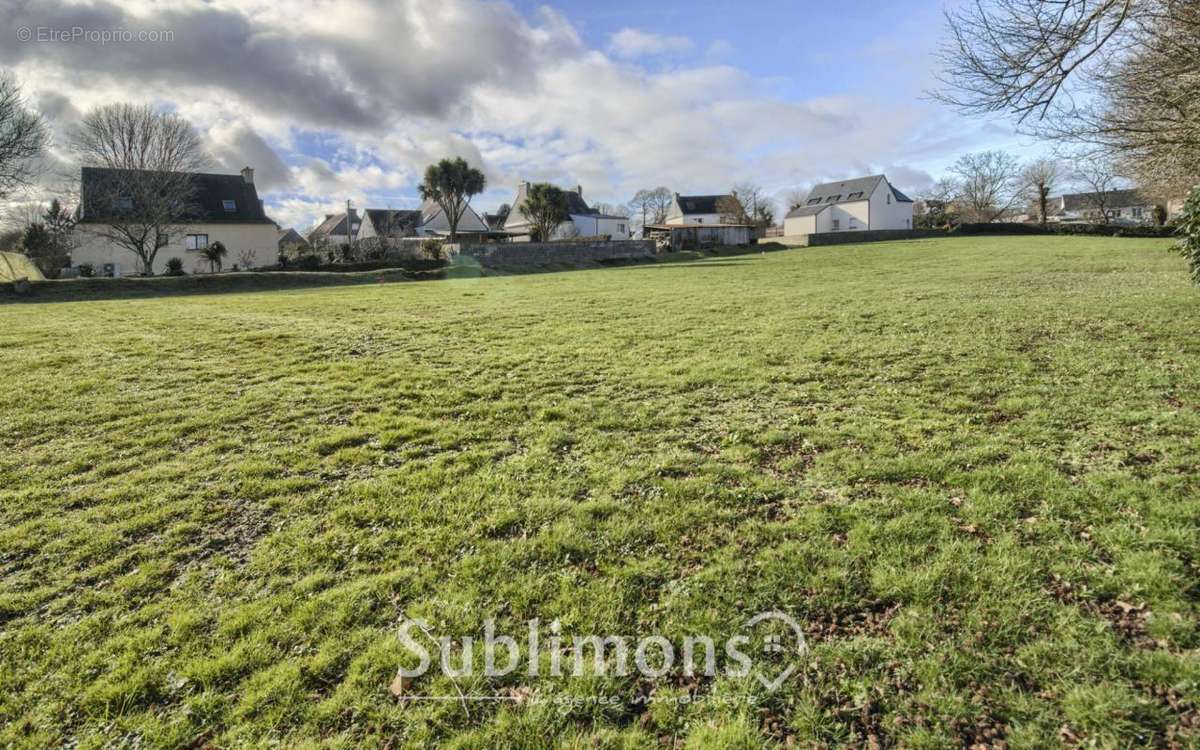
1100, 178
939, 205
1120, 75
987, 185
795, 199
23, 137
651, 206
747, 204
610, 209
1040, 178
20, 215
142, 186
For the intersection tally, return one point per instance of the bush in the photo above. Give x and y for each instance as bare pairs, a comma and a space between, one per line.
1189, 230
432, 249
87, 270
308, 262
175, 267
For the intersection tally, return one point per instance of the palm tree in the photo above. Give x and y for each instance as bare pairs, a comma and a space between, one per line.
214, 253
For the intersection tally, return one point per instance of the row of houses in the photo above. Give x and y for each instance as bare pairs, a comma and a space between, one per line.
228, 209
430, 221
1129, 207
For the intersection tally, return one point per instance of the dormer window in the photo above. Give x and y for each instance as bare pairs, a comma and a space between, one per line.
229, 205
814, 201
834, 198
853, 196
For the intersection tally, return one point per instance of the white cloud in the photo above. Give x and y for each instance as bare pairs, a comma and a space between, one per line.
630, 44
356, 109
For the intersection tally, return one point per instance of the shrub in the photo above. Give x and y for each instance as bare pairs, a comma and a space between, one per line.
175, 267
308, 263
1189, 230
432, 249
87, 270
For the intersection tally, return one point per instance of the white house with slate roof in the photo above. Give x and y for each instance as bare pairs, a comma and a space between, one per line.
395, 224
435, 224
695, 209
585, 221
865, 203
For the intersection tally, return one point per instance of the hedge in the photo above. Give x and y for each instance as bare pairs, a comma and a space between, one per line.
1103, 230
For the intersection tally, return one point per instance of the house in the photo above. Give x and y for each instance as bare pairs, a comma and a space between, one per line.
225, 208
388, 224
584, 221
496, 221
434, 222
1121, 206
290, 240
865, 203
695, 209
676, 237
335, 230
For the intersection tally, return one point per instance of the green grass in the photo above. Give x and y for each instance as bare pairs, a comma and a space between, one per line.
967, 466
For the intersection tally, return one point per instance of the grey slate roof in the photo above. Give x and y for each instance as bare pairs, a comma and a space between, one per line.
207, 203
1116, 199
334, 224
831, 193
396, 222
291, 237
796, 213
699, 204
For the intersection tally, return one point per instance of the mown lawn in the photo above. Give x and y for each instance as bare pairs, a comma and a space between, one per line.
969, 467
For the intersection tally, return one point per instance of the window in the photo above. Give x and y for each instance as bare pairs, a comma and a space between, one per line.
229, 205
834, 198
620, 229
195, 242
1137, 212
814, 201
889, 199
125, 203
837, 224
853, 196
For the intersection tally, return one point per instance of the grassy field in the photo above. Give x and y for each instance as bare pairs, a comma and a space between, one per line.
968, 467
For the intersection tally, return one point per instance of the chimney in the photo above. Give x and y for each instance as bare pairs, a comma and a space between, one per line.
248, 175
579, 189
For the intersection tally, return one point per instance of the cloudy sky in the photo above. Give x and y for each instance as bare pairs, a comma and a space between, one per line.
332, 100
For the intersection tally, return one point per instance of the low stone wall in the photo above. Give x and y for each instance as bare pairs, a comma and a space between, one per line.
501, 254
874, 235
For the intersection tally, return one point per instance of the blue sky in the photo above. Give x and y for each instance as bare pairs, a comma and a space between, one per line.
352, 100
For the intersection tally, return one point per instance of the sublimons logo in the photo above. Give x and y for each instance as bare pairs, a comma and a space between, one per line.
768, 648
